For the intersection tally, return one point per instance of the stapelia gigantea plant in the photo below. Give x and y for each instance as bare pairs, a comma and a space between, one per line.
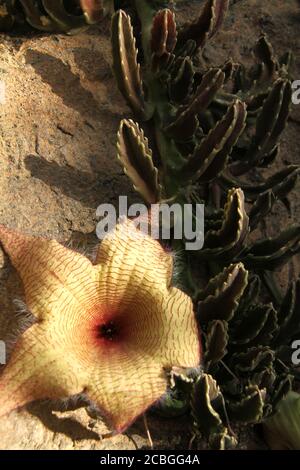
197, 132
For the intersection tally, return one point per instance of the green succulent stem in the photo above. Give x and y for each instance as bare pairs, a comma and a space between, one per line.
272, 287
170, 157
145, 12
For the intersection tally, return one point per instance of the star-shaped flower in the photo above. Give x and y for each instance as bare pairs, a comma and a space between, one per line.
113, 329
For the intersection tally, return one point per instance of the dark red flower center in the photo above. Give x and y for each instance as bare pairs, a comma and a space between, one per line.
108, 331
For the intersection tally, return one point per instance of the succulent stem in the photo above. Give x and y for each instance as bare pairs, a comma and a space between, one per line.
145, 12
272, 287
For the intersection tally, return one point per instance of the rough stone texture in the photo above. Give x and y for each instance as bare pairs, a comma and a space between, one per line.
58, 130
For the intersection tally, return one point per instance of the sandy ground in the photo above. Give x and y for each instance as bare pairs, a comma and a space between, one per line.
57, 143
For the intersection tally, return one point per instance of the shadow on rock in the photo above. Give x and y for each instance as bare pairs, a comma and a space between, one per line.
64, 83
68, 426
78, 185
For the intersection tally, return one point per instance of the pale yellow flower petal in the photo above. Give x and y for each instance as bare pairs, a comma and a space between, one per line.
53, 276
126, 387
114, 329
38, 369
132, 261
